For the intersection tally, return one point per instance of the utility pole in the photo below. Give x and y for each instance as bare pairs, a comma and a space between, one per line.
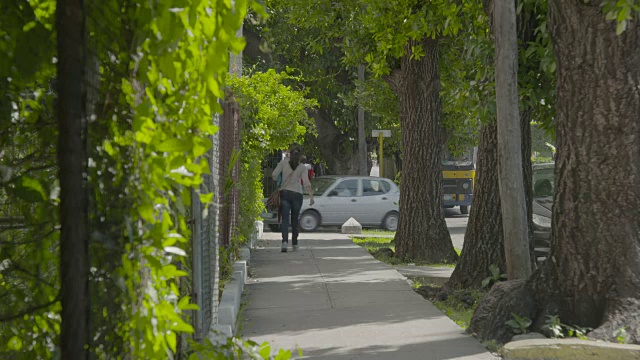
512, 193
362, 145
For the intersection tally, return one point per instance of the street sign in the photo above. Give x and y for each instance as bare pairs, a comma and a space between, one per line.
385, 133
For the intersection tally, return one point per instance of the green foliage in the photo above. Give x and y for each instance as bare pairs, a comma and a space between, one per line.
622, 12
274, 116
237, 348
492, 345
456, 309
559, 330
161, 68
621, 336
173, 99
554, 326
398, 179
518, 324
494, 278
29, 287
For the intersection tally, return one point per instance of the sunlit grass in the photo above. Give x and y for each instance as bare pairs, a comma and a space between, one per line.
374, 243
454, 306
457, 310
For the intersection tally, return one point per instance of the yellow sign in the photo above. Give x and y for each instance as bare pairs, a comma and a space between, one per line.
381, 134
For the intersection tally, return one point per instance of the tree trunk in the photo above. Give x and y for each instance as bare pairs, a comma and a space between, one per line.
74, 237
422, 231
512, 195
483, 240
527, 174
592, 278
339, 152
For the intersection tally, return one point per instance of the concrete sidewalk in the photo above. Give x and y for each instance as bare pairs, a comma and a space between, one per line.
334, 301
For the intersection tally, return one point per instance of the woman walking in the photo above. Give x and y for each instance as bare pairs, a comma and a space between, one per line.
294, 176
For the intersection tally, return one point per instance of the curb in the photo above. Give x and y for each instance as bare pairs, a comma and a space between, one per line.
561, 349
230, 300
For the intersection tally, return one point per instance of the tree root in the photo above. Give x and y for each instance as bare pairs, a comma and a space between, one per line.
493, 312
621, 322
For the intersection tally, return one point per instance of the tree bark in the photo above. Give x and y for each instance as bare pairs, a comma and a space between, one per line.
527, 181
592, 278
339, 152
483, 240
74, 237
422, 231
512, 193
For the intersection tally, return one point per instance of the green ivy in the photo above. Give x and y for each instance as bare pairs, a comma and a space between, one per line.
182, 61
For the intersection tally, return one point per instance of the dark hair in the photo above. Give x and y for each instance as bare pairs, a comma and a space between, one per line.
294, 159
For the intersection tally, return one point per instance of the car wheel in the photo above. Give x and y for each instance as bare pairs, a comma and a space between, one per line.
309, 221
274, 227
390, 221
464, 209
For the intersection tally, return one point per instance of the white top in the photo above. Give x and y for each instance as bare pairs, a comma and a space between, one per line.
291, 182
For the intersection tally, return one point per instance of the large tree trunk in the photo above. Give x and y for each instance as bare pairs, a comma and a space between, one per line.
74, 234
483, 240
339, 152
592, 278
422, 231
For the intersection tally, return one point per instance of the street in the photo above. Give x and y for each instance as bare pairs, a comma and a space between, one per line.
456, 223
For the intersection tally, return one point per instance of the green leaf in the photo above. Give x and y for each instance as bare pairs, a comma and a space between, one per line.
30, 189
486, 282
184, 304
181, 326
621, 27
206, 198
175, 250
175, 145
146, 212
15, 343
283, 355
265, 350
512, 323
171, 340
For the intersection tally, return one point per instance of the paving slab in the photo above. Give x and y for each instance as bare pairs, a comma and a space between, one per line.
334, 301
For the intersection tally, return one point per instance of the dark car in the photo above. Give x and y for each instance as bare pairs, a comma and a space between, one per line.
543, 190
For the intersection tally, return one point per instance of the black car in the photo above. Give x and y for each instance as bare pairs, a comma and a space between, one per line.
543, 190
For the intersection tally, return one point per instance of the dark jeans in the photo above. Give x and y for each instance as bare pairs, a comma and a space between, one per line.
290, 204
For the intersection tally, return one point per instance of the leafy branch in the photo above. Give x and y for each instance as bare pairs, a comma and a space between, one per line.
32, 309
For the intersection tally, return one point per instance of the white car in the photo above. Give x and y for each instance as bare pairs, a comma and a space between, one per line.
372, 201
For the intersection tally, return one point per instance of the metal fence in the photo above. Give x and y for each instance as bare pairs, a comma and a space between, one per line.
268, 164
205, 253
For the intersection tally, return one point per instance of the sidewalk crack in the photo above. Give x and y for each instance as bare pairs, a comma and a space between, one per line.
326, 288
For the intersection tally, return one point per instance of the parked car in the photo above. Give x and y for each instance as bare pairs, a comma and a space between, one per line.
543, 190
372, 201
